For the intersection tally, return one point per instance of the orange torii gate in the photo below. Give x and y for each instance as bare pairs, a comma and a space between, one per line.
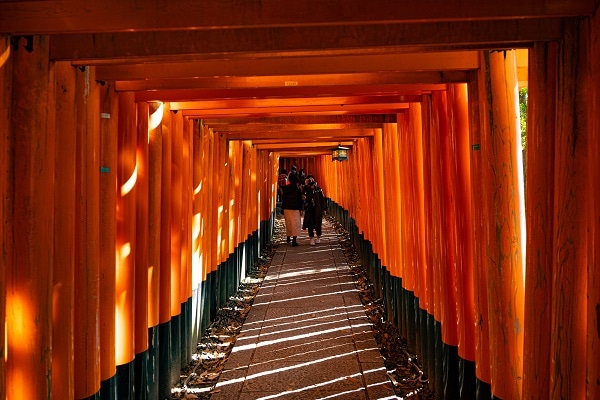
432, 201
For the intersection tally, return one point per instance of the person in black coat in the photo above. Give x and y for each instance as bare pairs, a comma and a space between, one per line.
315, 206
291, 204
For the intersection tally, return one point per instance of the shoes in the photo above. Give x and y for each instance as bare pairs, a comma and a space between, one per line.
288, 239
312, 241
318, 240
294, 242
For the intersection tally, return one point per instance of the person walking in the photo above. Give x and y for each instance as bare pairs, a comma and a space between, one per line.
291, 204
315, 206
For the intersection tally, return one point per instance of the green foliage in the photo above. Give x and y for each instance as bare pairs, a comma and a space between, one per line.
523, 116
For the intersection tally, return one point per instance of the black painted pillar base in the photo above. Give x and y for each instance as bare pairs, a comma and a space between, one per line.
141, 370
125, 381
108, 389
164, 360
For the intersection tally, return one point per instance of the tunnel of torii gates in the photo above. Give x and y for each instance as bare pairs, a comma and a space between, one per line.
126, 226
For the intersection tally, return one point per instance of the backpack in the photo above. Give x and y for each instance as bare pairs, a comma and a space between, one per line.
282, 180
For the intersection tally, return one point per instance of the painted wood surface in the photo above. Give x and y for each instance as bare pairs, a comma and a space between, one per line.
63, 299
541, 132
87, 238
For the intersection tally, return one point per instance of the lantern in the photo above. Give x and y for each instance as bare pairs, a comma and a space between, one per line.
339, 153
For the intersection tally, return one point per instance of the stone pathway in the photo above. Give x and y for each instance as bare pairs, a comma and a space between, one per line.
306, 335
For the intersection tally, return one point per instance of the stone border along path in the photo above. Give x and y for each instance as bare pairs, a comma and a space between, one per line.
200, 380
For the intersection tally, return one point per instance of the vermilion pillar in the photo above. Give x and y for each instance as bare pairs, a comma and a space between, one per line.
443, 226
64, 236
126, 230
593, 343
5, 166
142, 223
196, 219
187, 199
428, 218
30, 253
460, 154
87, 234
482, 348
154, 210
176, 192
165, 225
107, 117
501, 197
572, 222
541, 112
379, 198
165, 364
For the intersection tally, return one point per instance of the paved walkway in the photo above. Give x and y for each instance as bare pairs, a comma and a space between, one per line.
307, 335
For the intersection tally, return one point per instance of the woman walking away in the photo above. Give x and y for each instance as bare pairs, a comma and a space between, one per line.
291, 204
315, 206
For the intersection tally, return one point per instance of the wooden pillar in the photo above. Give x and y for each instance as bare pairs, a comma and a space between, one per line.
593, 343
571, 217
440, 169
196, 244
460, 164
176, 233
166, 219
87, 232
108, 117
500, 147
390, 136
155, 139
165, 363
126, 235
379, 198
176, 207
428, 220
63, 301
186, 211
205, 201
187, 347
29, 268
416, 160
212, 210
142, 223
6, 162
541, 129
144, 369
246, 199
482, 346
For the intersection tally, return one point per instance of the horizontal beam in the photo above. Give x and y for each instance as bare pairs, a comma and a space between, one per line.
303, 120
344, 64
289, 81
388, 108
294, 127
286, 91
138, 47
307, 135
302, 153
71, 16
323, 146
282, 102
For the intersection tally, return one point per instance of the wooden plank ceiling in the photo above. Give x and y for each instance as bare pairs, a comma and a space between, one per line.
293, 76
